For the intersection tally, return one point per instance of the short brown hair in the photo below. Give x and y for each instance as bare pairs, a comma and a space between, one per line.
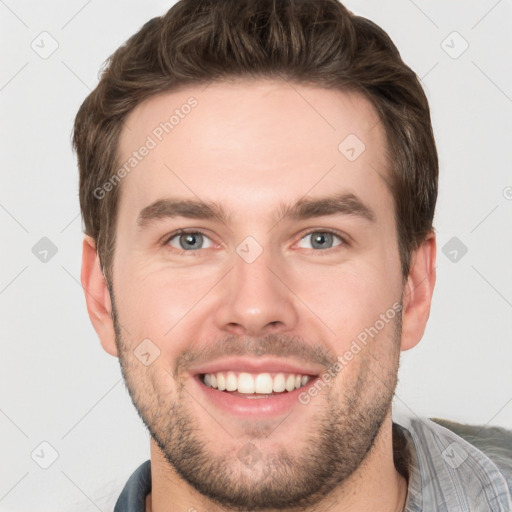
310, 42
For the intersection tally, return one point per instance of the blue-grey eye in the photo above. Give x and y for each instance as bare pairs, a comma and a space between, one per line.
190, 241
321, 240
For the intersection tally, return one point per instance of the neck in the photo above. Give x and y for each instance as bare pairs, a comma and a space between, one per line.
375, 485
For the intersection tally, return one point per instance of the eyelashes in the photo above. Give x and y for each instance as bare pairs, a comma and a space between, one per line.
331, 233
325, 232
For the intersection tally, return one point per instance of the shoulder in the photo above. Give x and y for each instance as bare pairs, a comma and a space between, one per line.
494, 442
452, 466
138, 486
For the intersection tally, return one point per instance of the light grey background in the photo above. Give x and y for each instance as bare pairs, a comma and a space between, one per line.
58, 386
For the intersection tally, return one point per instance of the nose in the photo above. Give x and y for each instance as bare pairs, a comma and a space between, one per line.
256, 299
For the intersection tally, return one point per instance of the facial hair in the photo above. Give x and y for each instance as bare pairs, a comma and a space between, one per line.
336, 441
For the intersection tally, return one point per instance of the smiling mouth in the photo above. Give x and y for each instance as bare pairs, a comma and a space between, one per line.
251, 385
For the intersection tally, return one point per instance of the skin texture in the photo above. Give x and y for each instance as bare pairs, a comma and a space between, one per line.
252, 147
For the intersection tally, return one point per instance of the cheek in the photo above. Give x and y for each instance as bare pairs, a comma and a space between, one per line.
153, 388
336, 302
347, 299
161, 305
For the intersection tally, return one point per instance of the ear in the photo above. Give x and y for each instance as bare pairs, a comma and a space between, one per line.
97, 296
418, 290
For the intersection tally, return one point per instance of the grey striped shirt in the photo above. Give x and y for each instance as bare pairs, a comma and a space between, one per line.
446, 473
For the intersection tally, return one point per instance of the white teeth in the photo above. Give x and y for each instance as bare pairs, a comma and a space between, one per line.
279, 384
262, 383
290, 382
245, 383
231, 382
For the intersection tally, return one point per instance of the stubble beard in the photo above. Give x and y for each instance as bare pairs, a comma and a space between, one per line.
335, 443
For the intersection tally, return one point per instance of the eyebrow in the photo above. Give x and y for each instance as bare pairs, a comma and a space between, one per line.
304, 208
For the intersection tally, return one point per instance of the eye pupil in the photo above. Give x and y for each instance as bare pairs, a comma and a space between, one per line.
321, 240
189, 240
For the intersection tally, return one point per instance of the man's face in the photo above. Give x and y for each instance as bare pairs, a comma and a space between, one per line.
279, 297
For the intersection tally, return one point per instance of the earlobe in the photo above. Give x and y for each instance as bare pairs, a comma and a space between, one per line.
97, 296
418, 290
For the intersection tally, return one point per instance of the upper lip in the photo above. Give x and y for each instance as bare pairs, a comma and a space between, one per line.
260, 365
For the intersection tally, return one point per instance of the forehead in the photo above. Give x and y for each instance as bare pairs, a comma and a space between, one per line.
251, 145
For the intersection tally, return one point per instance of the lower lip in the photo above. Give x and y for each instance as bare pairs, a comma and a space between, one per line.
281, 403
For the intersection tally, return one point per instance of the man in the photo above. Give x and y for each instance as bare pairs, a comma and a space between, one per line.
258, 181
